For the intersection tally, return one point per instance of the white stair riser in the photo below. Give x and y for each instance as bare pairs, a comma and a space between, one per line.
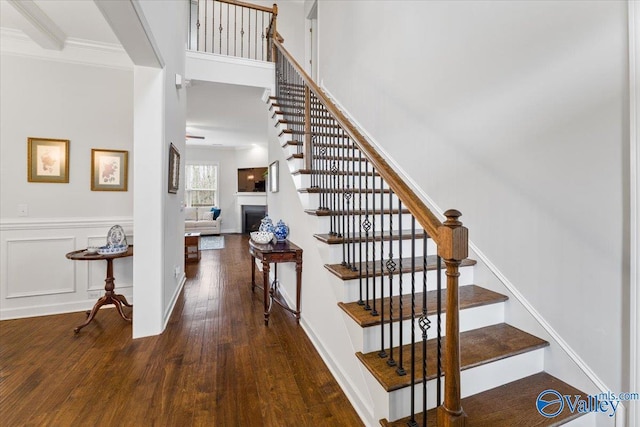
371, 201
474, 380
346, 165
335, 252
351, 290
325, 223
305, 181
472, 318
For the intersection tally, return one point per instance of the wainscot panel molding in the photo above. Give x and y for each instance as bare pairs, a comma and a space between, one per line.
37, 279
51, 276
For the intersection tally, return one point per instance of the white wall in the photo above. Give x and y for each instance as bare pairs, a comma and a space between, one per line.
167, 22
229, 161
57, 99
519, 113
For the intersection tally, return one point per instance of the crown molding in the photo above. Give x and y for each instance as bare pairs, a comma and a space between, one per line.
75, 51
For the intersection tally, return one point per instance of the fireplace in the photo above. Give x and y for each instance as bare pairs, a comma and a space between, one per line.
251, 216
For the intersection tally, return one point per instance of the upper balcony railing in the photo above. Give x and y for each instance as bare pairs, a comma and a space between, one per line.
232, 28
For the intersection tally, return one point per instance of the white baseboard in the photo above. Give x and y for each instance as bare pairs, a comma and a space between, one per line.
364, 411
172, 304
51, 309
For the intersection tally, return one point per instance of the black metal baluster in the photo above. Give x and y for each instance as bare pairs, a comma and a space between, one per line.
382, 352
361, 301
205, 27
412, 421
220, 24
424, 324
391, 268
262, 37
366, 225
374, 312
400, 370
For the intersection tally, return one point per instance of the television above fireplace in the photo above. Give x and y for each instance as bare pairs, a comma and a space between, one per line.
252, 180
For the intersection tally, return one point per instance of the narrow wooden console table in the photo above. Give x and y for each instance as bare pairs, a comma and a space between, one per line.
275, 253
110, 297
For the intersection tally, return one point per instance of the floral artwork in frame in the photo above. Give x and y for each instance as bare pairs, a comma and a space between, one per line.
174, 169
48, 160
109, 169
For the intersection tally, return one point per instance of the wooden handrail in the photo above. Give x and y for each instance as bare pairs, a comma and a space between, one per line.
451, 237
418, 209
247, 5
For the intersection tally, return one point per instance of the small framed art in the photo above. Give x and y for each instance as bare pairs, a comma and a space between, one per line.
273, 177
174, 169
48, 160
109, 169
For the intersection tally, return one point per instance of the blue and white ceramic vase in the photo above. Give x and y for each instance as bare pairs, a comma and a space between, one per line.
281, 231
266, 225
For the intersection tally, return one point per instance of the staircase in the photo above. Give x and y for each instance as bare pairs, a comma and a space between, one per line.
395, 295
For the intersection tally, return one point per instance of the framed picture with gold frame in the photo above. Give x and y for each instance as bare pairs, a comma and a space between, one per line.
109, 170
48, 160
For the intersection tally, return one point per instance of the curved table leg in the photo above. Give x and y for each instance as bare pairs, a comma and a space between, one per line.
102, 301
118, 305
123, 300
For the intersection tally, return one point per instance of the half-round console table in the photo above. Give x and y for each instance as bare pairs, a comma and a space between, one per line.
110, 297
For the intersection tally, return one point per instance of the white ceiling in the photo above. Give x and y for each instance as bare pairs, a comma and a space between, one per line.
226, 115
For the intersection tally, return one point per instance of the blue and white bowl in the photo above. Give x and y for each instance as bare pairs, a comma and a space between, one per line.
112, 249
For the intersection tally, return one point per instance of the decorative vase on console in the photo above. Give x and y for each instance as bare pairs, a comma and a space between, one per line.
267, 225
281, 231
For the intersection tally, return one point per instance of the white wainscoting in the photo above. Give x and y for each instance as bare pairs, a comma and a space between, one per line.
37, 279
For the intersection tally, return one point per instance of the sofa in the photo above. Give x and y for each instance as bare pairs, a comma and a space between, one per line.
200, 220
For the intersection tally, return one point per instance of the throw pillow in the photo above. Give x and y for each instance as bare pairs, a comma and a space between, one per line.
216, 212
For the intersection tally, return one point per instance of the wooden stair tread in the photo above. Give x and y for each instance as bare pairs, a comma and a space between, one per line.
470, 296
511, 404
321, 157
329, 212
302, 123
378, 236
339, 173
477, 347
345, 273
296, 143
342, 190
313, 133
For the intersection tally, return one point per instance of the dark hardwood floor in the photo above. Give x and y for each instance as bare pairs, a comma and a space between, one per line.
216, 364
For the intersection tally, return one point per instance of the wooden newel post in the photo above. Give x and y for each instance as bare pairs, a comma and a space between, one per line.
274, 32
453, 248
